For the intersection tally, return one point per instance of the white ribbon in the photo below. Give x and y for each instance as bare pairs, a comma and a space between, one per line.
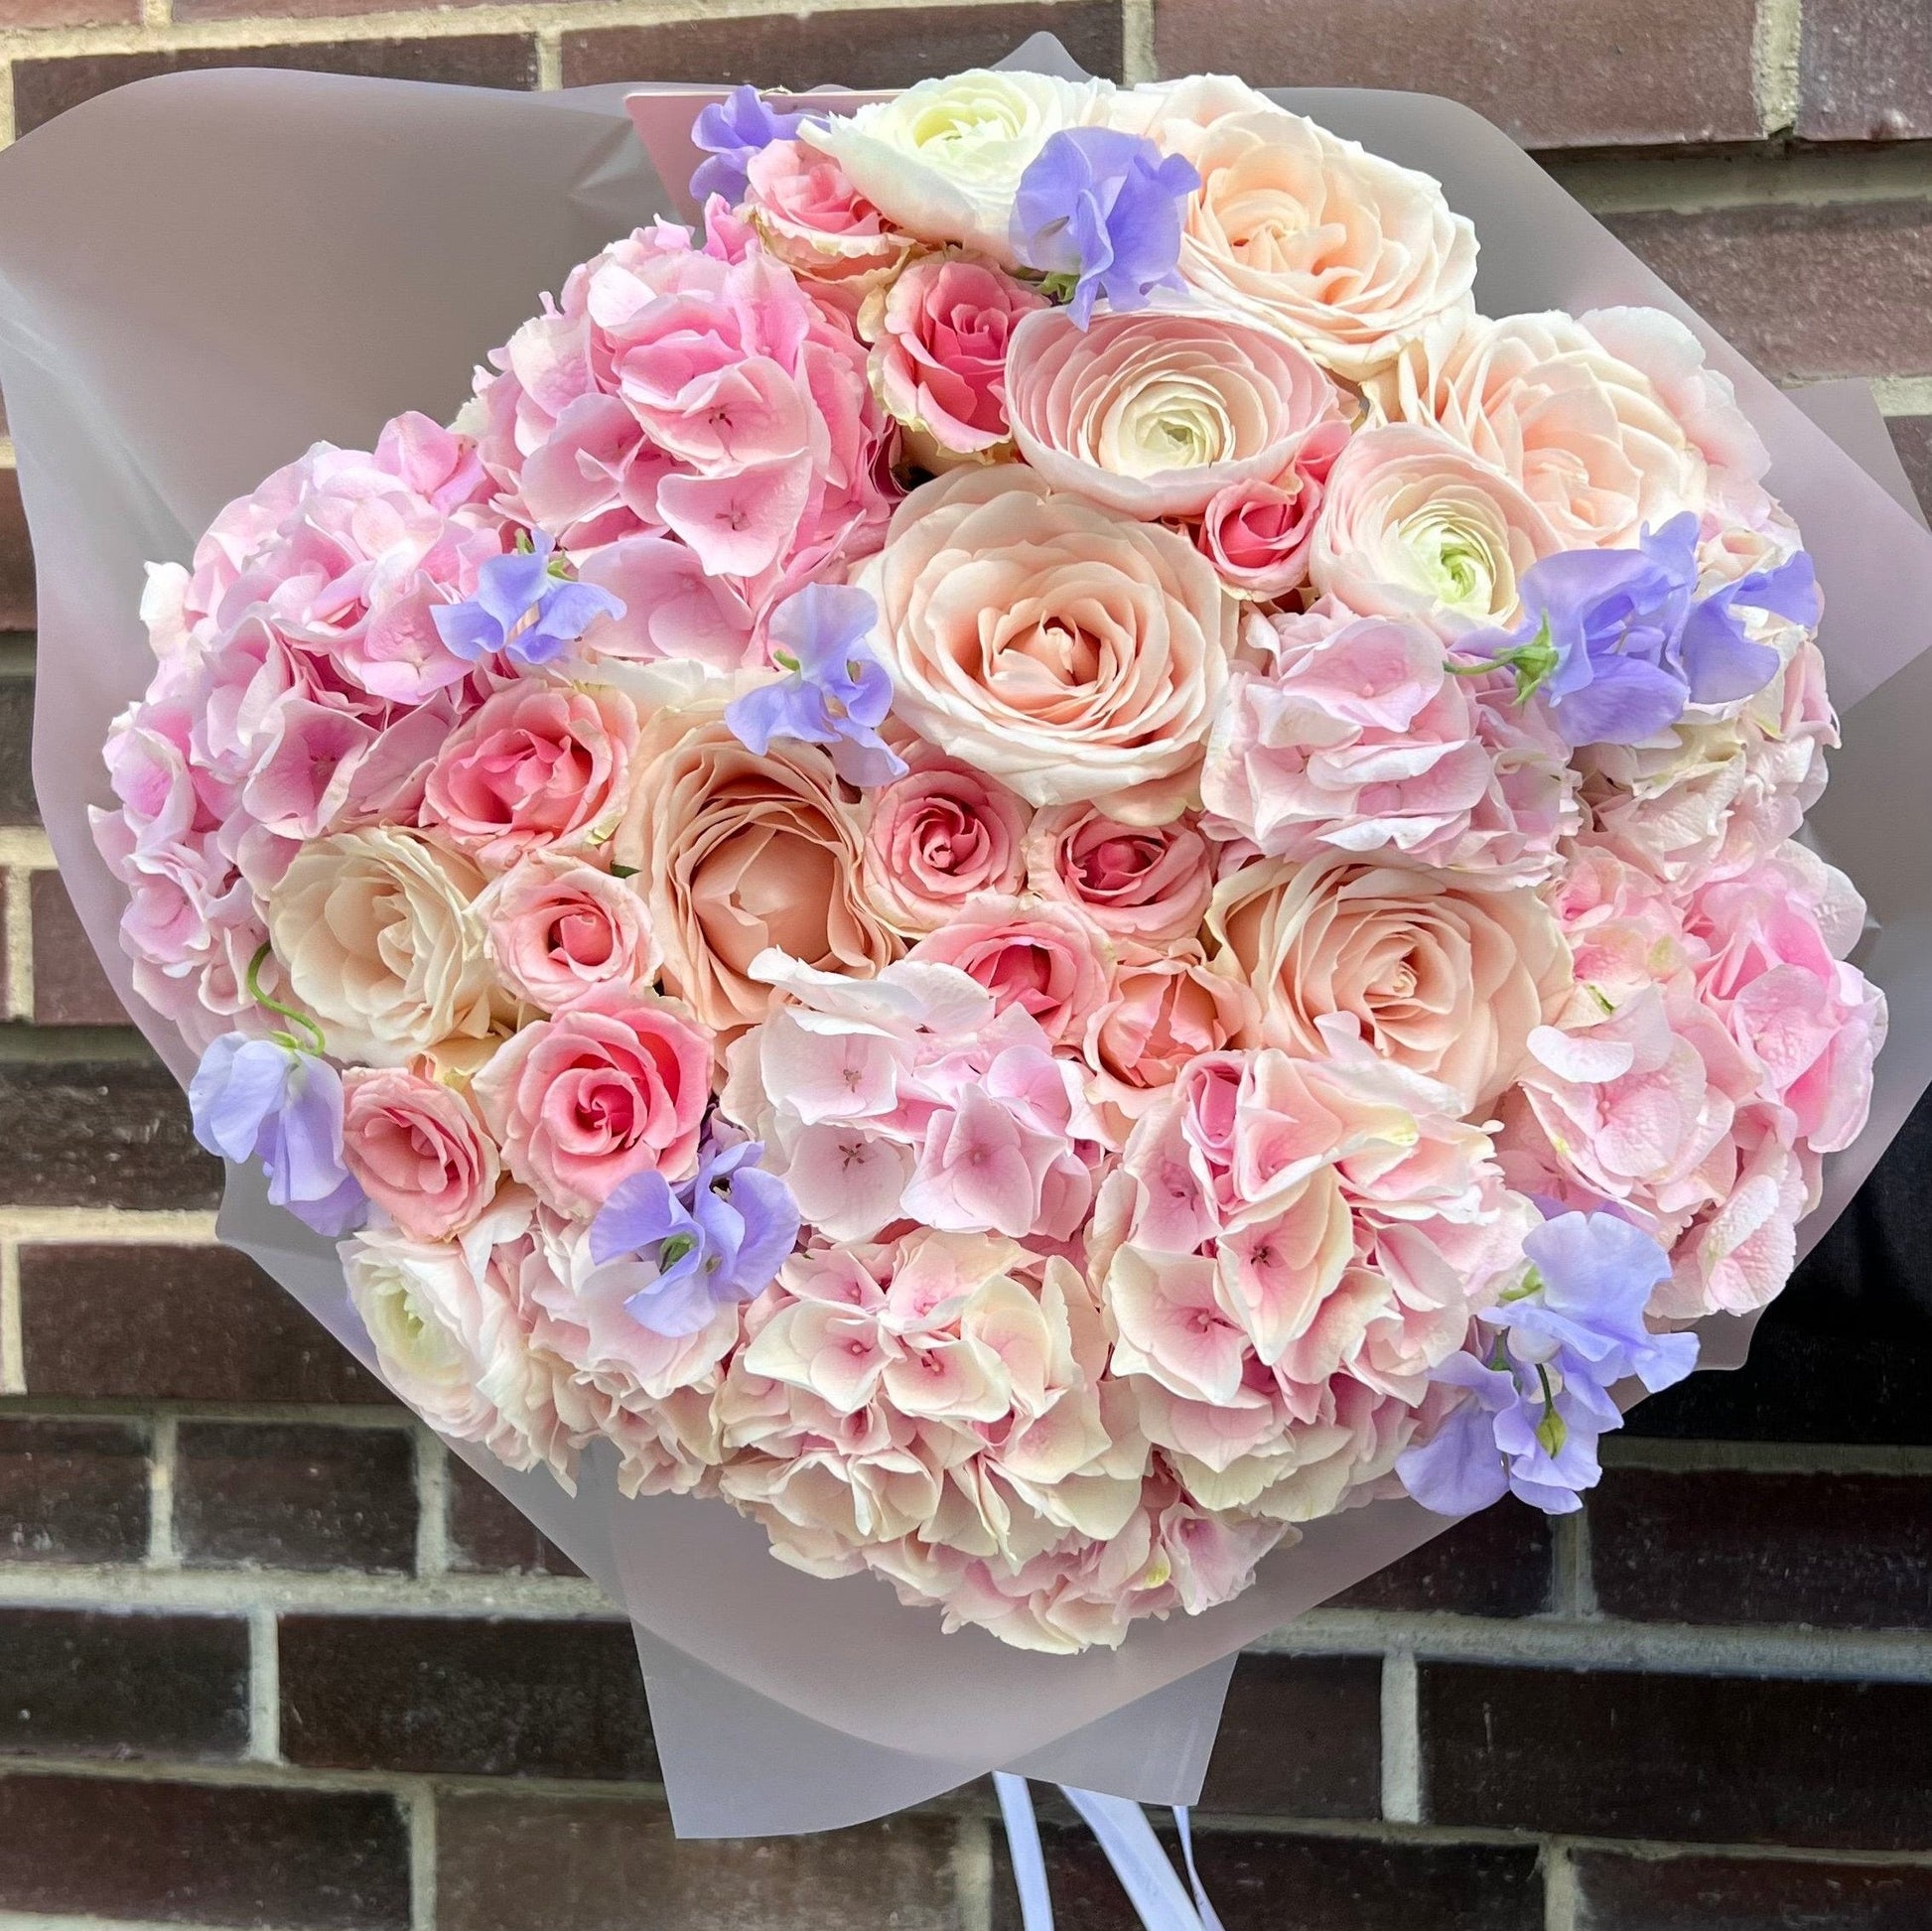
1142, 1866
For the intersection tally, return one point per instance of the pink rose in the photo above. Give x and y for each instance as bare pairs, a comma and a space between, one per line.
807, 212
1163, 1013
939, 359
1048, 961
1145, 885
1151, 413
418, 1149
614, 1085
1256, 534
540, 765
558, 927
940, 835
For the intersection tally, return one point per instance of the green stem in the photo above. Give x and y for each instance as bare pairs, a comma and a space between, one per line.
289, 1012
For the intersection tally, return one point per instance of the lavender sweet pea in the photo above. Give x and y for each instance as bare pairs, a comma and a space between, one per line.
522, 610
717, 1239
833, 690
730, 132
1102, 208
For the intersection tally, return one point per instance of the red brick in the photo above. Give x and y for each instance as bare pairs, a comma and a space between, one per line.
880, 47
44, 89
453, 1695
1844, 289
293, 1496
73, 1491
1850, 1550
18, 806
513, 1863
99, 1132
1911, 436
69, 987
1301, 1736
485, 1531
16, 556
1707, 1760
1548, 73
1748, 1895
68, 12
175, 1324
123, 1684
1865, 70
202, 1854
1496, 1563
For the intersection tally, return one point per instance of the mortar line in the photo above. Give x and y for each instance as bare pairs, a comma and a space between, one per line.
27, 846
251, 1414
420, 1809
550, 60
264, 1686
432, 1505
156, 1226
1575, 1592
1777, 43
972, 1874
1401, 1738
20, 944
162, 1554
1560, 1899
12, 1346
1137, 58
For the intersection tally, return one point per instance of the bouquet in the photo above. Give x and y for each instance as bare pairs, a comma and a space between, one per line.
1021, 862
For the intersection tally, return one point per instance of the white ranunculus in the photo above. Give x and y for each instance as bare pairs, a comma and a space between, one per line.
943, 159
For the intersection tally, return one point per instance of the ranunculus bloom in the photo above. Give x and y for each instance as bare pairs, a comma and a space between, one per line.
1048, 960
740, 853
612, 1085
540, 765
1141, 885
1151, 413
558, 927
1069, 650
379, 935
418, 1151
940, 835
1334, 248
1444, 978
1413, 525
808, 213
941, 336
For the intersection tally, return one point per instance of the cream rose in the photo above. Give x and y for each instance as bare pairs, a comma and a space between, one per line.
380, 937
943, 159
1413, 525
742, 853
1443, 978
1070, 651
1346, 253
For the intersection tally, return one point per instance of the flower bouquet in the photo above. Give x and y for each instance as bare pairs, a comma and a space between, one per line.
1037, 869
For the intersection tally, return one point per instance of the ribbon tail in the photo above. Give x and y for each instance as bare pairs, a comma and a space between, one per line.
1023, 1850
1139, 1861
1209, 1917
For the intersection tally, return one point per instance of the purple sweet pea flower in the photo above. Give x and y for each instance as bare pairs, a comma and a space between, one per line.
268, 1100
834, 691
521, 608
730, 132
717, 1239
1103, 207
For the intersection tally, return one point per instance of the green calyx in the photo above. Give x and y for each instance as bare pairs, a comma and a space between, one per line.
1534, 663
1551, 1431
1531, 1283
675, 1249
311, 1039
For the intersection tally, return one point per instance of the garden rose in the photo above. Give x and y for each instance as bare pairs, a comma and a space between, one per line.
1161, 1013
1047, 960
558, 927
418, 1149
1145, 885
942, 834
808, 213
1256, 534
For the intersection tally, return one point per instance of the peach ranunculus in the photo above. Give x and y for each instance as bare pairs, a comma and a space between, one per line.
1049, 960
380, 938
739, 853
1445, 979
1142, 885
1413, 525
808, 213
1539, 399
614, 1084
1164, 1011
1151, 413
1258, 534
1341, 251
418, 1150
941, 336
539, 765
1069, 650
558, 927
940, 835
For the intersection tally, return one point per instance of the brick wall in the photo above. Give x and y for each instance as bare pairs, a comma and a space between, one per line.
268, 1658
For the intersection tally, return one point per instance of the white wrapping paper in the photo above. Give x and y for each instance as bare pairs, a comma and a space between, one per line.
202, 274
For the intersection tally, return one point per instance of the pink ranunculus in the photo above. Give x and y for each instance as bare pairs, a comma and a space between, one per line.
1048, 960
538, 765
1141, 885
615, 1085
939, 340
1163, 1011
1156, 411
808, 213
1258, 533
940, 835
418, 1149
558, 927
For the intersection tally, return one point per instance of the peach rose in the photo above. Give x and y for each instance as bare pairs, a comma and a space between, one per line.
1165, 1011
1151, 413
940, 835
807, 212
538, 765
1413, 525
418, 1150
742, 853
1311, 235
614, 1085
1148, 885
1047, 960
1444, 979
1069, 650
558, 927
